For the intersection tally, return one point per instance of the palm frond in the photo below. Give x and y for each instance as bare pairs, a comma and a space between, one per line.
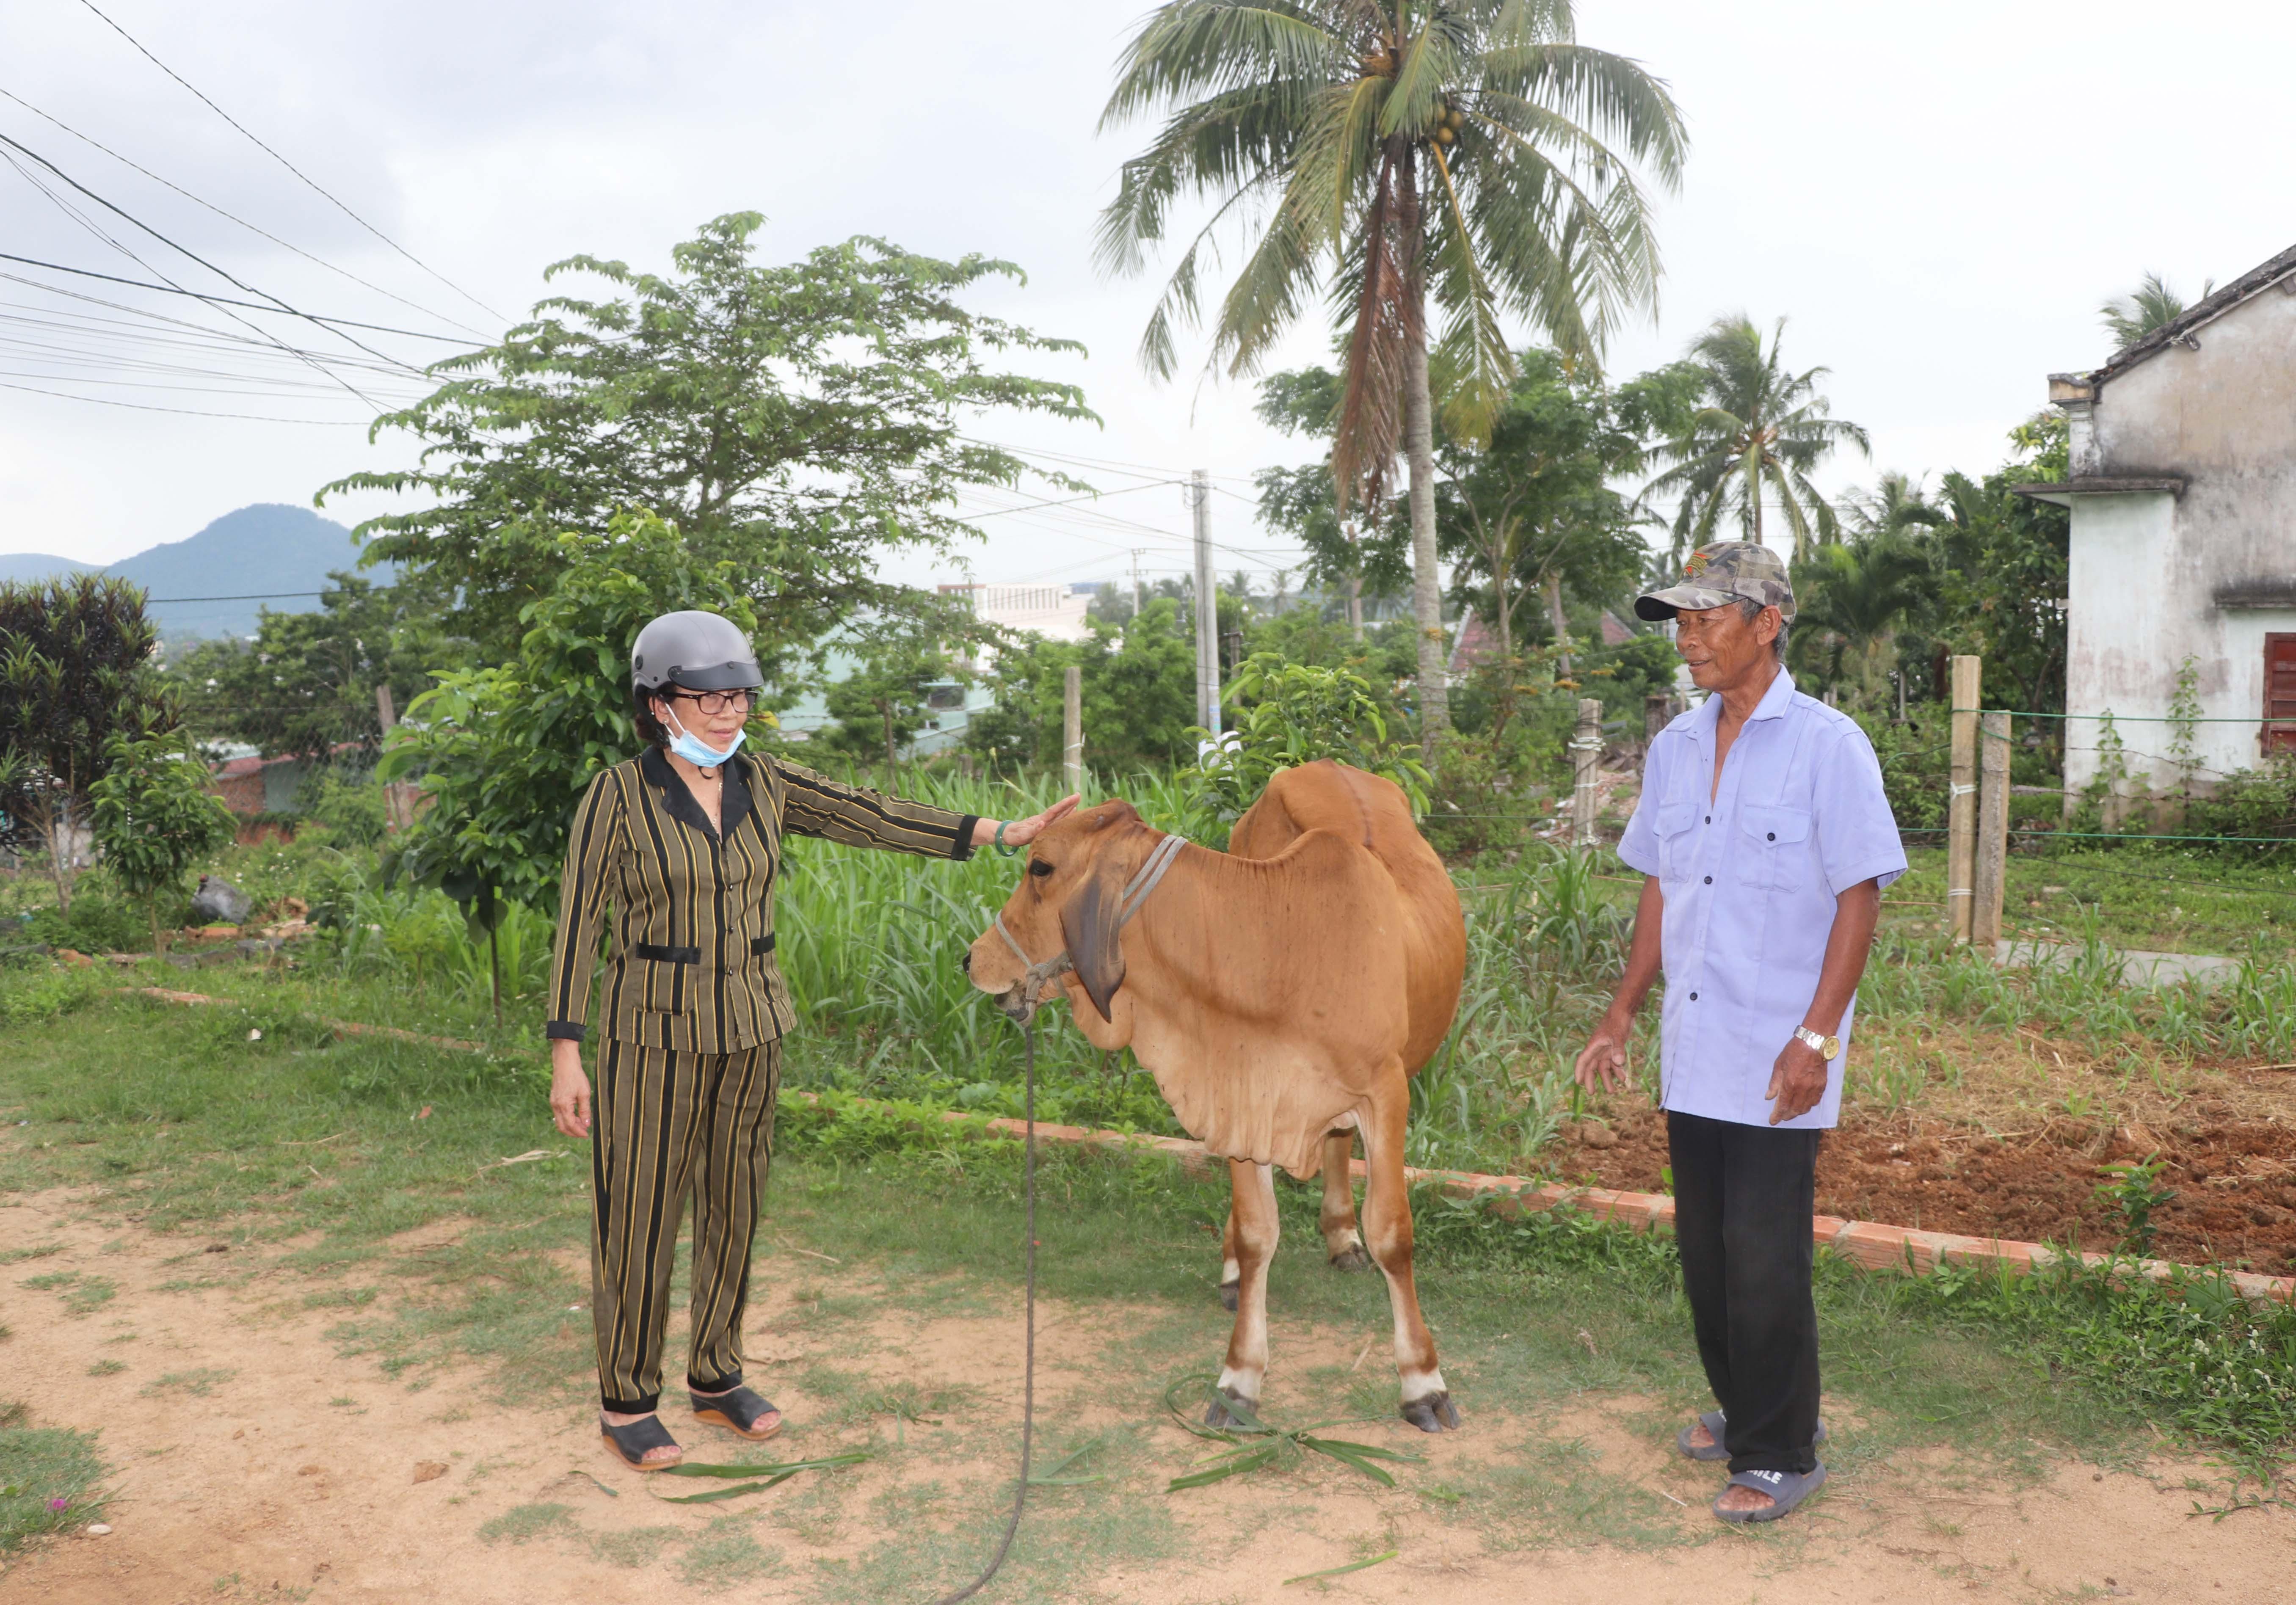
1193, 47
1473, 362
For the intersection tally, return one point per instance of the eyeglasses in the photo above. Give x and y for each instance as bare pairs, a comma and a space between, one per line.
717, 701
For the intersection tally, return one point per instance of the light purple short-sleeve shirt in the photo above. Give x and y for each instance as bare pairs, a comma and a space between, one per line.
1749, 877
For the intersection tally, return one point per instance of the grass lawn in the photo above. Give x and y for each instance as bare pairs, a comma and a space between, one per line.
250, 1127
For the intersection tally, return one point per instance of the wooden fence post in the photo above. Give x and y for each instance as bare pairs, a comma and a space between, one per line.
1585, 751
1992, 859
1961, 806
1072, 729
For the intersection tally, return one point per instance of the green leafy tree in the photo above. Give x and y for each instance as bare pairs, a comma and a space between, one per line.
1761, 431
1852, 597
1352, 548
1139, 691
1530, 510
901, 660
2152, 305
156, 815
1468, 158
1287, 713
506, 749
75, 672
2003, 566
793, 421
306, 686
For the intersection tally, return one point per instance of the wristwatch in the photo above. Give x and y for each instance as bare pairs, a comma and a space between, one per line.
1828, 1047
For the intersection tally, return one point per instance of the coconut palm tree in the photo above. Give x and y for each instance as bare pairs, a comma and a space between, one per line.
1853, 596
1896, 505
1380, 154
2129, 318
1762, 430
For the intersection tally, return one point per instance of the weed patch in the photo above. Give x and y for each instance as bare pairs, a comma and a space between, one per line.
48, 1480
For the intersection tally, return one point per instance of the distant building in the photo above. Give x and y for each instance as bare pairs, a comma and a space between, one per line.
2182, 485
1054, 611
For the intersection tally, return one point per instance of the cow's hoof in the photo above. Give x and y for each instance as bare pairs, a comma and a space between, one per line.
1434, 1412
1355, 1256
1218, 1414
1230, 1292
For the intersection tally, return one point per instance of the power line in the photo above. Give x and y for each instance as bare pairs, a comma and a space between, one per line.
88, 224
217, 300
221, 273
234, 217
142, 406
291, 168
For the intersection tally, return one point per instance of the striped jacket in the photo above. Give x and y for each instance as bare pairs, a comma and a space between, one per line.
692, 962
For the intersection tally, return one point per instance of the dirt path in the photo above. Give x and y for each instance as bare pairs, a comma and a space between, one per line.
252, 1461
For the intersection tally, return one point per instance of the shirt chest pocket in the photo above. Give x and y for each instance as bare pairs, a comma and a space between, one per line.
1677, 839
1773, 847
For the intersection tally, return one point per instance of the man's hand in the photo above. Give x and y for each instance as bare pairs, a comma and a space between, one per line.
1604, 1056
569, 1088
1797, 1081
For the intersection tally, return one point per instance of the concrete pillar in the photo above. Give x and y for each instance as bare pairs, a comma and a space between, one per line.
1072, 729
1992, 858
1961, 805
1585, 751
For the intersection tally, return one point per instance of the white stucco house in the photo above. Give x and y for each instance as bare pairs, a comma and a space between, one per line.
2183, 494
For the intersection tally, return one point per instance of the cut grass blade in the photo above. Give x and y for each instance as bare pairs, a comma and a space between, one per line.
1234, 1464
1342, 1571
1358, 1455
1052, 1477
769, 1476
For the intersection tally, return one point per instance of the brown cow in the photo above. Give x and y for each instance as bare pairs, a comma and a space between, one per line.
1281, 994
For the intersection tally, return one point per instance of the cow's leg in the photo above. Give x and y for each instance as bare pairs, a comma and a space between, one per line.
1231, 1271
1343, 1245
1253, 1220
1387, 1223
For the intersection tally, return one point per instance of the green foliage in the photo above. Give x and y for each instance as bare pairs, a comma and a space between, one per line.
155, 818
75, 671
101, 918
350, 805
2152, 305
1533, 504
2000, 561
791, 420
1139, 695
2133, 1188
1288, 714
506, 749
901, 659
1850, 597
1349, 553
305, 684
2250, 802
1917, 767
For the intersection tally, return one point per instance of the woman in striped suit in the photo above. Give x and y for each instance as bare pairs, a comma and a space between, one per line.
683, 841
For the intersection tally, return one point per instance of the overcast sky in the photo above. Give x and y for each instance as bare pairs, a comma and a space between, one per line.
1937, 196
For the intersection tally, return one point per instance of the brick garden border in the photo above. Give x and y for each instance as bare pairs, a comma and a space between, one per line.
1871, 1244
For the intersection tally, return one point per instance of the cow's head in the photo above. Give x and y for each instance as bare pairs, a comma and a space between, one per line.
1070, 900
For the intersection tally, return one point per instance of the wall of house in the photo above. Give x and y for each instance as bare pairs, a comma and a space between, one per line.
2148, 571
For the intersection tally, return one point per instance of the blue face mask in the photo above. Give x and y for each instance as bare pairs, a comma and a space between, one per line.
696, 751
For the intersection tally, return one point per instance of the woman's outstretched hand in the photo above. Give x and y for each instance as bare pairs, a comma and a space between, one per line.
1020, 832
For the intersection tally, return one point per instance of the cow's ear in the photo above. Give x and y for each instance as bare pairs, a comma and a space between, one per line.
1089, 925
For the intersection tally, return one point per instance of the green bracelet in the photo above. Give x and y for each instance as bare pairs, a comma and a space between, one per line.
999, 842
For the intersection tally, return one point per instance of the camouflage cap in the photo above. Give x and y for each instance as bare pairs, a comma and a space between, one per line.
1716, 576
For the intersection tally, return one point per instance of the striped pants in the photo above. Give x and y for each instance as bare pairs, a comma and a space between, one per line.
669, 1124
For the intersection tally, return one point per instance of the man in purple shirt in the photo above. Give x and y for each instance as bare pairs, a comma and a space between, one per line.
1764, 840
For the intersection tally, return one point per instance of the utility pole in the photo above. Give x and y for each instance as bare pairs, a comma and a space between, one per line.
1072, 730
1135, 582
1208, 673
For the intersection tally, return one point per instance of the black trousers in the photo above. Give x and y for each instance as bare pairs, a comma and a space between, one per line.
1743, 1196
671, 1127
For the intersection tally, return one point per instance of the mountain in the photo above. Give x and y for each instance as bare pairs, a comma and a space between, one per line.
269, 548
16, 567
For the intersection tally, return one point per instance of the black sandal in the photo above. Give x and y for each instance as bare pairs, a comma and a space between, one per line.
630, 1443
738, 1410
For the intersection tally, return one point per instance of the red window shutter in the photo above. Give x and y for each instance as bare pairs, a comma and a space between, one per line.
2280, 692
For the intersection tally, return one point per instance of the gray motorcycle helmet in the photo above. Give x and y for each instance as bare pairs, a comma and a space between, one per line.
700, 652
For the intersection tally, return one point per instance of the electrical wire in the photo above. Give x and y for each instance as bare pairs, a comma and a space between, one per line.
141, 406
291, 168
214, 300
241, 222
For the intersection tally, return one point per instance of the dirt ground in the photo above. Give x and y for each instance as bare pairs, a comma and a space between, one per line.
2014, 1150
252, 1460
